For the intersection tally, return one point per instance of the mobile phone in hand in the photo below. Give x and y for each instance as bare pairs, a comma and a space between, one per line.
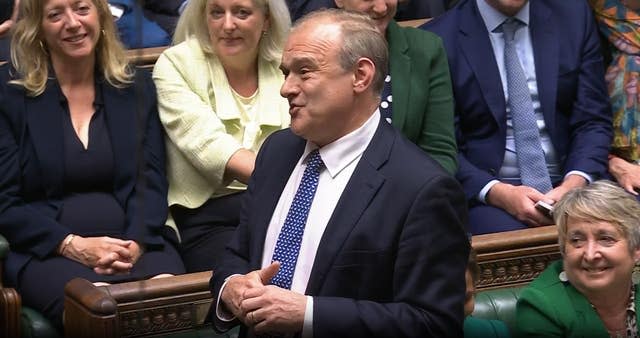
545, 208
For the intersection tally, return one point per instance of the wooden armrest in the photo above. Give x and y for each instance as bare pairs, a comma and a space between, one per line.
147, 307
516, 257
10, 307
10, 301
413, 23
145, 57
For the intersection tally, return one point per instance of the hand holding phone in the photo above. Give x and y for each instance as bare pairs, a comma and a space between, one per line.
545, 208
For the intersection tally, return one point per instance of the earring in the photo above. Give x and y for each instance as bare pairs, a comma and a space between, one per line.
264, 34
103, 33
635, 275
562, 276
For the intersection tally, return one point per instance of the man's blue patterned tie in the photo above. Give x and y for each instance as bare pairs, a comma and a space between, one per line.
533, 167
290, 237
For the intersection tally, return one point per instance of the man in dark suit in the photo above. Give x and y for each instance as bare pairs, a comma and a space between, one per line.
557, 45
382, 251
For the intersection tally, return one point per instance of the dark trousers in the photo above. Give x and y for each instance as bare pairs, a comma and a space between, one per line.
206, 230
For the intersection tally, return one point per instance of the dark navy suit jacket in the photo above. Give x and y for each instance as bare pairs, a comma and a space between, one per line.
392, 259
32, 167
570, 77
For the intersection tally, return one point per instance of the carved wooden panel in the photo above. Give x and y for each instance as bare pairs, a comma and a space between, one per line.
515, 257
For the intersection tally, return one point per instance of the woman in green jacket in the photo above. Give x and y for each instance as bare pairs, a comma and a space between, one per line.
592, 292
417, 97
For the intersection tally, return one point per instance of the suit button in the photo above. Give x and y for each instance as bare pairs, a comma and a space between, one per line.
492, 172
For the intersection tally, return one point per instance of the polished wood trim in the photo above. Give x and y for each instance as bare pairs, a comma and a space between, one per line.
145, 56
139, 308
516, 257
413, 23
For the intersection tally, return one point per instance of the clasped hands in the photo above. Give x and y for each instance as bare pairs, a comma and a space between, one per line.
106, 255
261, 307
519, 200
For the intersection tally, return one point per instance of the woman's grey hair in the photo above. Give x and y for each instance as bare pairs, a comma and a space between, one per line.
601, 201
193, 23
361, 39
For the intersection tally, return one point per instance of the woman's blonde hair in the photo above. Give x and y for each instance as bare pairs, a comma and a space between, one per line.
601, 201
193, 23
30, 56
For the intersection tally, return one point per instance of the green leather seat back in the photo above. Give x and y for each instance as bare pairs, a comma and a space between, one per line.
498, 304
34, 325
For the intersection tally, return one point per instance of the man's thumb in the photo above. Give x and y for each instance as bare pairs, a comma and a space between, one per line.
268, 272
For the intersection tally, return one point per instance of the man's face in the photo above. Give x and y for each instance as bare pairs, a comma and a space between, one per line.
320, 92
507, 7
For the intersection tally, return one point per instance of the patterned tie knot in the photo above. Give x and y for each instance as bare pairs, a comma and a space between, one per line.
509, 28
314, 161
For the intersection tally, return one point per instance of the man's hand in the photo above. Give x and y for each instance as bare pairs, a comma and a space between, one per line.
519, 201
627, 174
233, 292
570, 182
273, 310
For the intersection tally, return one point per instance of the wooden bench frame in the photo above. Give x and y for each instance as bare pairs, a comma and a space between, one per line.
515, 258
133, 309
182, 302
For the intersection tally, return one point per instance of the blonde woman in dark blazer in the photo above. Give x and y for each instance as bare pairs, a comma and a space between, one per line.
82, 160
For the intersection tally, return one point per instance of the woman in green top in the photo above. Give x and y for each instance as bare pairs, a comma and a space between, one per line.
417, 96
592, 291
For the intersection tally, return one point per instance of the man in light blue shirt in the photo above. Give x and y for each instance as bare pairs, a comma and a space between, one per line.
558, 50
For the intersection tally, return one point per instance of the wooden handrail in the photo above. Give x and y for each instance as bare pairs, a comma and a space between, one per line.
515, 239
413, 23
145, 56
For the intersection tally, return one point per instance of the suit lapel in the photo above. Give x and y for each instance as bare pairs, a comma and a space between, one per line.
546, 53
477, 50
280, 171
123, 121
44, 119
356, 197
400, 69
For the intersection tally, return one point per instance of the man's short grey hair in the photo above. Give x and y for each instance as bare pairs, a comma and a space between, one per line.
360, 39
601, 201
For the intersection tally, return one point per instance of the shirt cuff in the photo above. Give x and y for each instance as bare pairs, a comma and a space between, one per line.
221, 312
580, 173
482, 195
307, 325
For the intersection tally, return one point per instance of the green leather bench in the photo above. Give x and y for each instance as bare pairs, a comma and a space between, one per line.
17, 320
498, 304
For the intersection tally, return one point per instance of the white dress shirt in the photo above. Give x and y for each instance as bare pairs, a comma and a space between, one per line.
340, 158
